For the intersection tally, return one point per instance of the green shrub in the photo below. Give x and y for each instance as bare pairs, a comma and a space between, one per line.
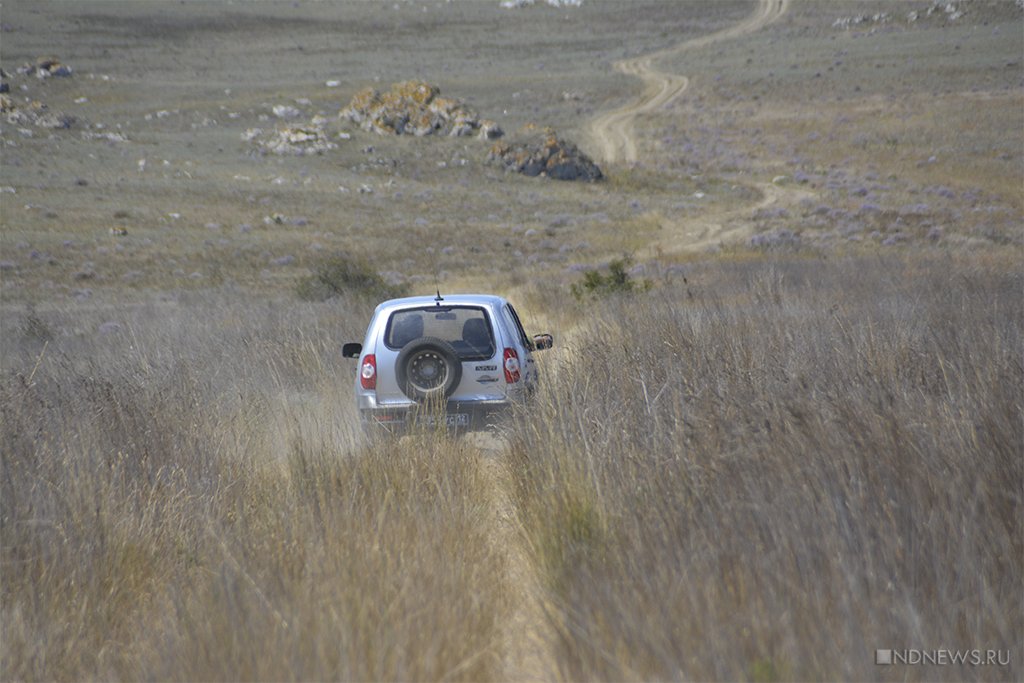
341, 275
596, 284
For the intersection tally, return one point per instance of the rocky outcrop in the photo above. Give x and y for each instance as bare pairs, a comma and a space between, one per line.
416, 108
297, 140
538, 152
293, 140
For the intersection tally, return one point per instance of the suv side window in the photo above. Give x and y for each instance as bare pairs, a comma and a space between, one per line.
513, 319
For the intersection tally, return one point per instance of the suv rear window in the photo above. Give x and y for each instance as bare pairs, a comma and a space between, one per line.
466, 328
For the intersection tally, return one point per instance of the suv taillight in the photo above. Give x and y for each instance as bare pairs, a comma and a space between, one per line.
368, 373
511, 366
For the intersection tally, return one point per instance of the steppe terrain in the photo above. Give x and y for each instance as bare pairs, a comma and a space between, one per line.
799, 440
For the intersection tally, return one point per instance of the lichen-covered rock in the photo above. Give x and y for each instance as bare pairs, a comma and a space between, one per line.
414, 108
543, 153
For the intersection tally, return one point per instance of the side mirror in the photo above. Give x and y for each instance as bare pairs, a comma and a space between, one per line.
351, 350
543, 341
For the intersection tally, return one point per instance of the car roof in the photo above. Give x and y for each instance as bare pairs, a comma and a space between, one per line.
489, 300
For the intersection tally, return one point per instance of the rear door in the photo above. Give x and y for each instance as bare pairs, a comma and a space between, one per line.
469, 329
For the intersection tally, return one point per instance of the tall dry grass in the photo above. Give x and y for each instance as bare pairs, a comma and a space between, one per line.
766, 473
185, 498
773, 471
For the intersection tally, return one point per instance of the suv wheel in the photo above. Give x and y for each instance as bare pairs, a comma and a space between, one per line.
428, 368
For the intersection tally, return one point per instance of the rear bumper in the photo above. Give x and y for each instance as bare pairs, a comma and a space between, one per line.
471, 415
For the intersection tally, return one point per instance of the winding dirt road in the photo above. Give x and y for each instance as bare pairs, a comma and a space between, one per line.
612, 133
529, 638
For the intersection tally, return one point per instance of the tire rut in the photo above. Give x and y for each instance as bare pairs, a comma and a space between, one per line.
528, 635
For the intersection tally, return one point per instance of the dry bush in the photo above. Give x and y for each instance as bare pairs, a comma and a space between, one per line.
187, 499
773, 476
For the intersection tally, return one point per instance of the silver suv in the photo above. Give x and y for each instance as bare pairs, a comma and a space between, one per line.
465, 357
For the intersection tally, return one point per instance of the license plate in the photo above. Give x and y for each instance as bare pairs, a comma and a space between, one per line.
450, 420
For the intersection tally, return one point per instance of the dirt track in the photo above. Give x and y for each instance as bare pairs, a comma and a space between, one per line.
612, 133
528, 645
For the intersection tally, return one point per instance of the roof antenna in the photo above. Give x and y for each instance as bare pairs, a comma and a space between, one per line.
437, 280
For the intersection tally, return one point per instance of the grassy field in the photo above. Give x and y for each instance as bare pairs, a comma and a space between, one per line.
803, 442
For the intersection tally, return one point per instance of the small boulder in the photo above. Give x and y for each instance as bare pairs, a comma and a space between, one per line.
543, 153
298, 140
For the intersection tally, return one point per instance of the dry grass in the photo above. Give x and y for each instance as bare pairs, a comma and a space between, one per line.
184, 512
777, 471
766, 473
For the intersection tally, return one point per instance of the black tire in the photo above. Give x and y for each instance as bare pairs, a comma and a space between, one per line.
428, 368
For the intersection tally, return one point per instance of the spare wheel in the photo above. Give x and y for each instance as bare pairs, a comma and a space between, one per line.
428, 368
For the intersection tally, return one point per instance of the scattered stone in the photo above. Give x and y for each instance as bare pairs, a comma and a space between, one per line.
55, 120
543, 153
847, 22
516, 4
46, 67
109, 327
415, 108
285, 111
291, 140
35, 114
489, 130
108, 137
